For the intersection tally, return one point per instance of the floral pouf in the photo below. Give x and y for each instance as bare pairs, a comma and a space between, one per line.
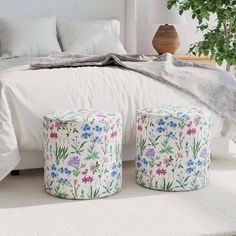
173, 148
82, 152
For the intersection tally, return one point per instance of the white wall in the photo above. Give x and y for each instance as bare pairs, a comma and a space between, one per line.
145, 31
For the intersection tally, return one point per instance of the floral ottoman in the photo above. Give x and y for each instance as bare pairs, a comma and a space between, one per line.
173, 148
82, 151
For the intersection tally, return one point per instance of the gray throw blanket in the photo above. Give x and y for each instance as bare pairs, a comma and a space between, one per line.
213, 87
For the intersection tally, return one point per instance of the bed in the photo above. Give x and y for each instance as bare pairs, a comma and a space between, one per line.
27, 95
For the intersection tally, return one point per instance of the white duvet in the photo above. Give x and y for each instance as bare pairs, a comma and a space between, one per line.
27, 95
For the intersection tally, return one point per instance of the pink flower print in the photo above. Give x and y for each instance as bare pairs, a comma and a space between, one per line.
159, 164
180, 155
101, 115
113, 134
59, 124
53, 135
140, 127
93, 167
196, 119
166, 161
88, 179
161, 172
142, 117
105, 159
189, 124
191, 131
85, 172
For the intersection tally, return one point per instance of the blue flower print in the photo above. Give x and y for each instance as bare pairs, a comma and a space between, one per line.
98, 128
190, 162
184, 115
139, 157
62, 170
97, 139
86, 127
53, 174
170, 135
113, 166
53, 167
64, 181
161, 122
189, 169
199, 163
118, 176
113, 173
172, 124
145, 162
86, 135
139, 164
67, 171
160, 129
199, 174
143, 171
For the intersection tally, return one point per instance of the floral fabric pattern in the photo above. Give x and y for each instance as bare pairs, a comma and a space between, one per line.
82, 152
173, 148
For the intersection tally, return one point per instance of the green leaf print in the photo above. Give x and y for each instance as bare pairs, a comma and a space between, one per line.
94, 193
194, 185
142, 145
48, 185
61, 153
76, 171
166, 148
117, 187
59, 193
92, 153
181, 123
108, 188
78, 150
166, 186
154, 142
196, 148
184, 183
152, 162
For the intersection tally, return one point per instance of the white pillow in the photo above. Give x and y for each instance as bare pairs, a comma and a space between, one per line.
90, 37
28, 37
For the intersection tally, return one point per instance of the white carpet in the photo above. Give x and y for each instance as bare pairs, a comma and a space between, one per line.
25, 209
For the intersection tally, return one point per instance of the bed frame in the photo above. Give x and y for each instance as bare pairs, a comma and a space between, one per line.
123, 10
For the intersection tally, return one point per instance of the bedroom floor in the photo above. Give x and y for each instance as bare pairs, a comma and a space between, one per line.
25, 209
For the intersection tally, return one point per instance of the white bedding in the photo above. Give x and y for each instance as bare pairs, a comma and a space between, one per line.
27, 95
15, 64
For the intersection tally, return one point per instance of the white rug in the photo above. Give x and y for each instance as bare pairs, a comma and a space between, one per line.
25, 209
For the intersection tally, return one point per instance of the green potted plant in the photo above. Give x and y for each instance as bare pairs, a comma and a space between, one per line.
219, 42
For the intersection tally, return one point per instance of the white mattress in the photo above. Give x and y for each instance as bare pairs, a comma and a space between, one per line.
13, 64
27, 95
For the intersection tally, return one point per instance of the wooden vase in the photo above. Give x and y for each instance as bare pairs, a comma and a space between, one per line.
166, 39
